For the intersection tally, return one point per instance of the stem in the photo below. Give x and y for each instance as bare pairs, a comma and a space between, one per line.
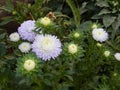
31, 16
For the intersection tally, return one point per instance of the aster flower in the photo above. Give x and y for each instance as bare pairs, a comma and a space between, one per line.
72, 51
14, 37
26, 30
46, 46
117, 56
25, 47
99, 34
28, 65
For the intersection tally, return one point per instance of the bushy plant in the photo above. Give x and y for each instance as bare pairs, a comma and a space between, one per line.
70, 47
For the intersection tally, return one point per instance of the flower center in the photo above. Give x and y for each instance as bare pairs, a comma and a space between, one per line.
99, 33
15, 36
47, 45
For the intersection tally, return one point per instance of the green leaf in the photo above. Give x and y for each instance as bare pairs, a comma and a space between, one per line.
76, 12
6, 20
83, 26
2, 36
9, 6
104, 11
62, 87
9, 57
2, 49
102, 3
108, 20
116, 23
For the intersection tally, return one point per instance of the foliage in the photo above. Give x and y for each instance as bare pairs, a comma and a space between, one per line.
84, 66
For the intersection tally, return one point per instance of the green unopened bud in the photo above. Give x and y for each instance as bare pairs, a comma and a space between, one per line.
94, 26
106, 53
14, 12
115, 74
99, 45
29, 5
76, 35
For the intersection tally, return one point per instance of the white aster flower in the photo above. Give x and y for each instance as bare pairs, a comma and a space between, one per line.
25, 47
14, 37
72, 48
106, 53
117, 56
99, 34
46, 46
29, 65
45, 21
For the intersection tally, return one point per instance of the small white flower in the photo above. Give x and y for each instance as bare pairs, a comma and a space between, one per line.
25, 47
14, 37
106, 53
29, 65
76, 35
99, 34
72, 48
117, 56
45, 21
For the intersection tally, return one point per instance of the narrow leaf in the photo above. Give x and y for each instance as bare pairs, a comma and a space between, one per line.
76, 12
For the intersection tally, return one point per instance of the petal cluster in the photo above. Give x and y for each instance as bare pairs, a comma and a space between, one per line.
46, 46
99, 34
26, 30
14, 37
25, 47
117, 56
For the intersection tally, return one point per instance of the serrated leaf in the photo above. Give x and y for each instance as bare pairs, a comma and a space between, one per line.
83, 26
108, 20
104, 11
102, 4
96, 16
116, 23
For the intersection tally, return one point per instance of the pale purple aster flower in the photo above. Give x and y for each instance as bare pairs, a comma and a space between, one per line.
25, 30
46, 46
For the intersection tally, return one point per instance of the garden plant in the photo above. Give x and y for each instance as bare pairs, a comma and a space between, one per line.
60, 45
